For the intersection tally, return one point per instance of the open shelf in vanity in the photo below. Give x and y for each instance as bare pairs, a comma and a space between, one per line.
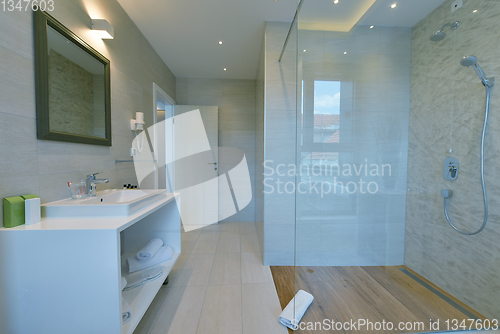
141, 297
63, 275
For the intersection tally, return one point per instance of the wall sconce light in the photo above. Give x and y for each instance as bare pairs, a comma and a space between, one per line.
137, 123
103, 29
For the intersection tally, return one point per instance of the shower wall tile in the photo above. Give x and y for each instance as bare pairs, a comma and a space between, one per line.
446, 112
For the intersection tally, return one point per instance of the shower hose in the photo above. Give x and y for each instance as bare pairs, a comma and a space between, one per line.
485, 220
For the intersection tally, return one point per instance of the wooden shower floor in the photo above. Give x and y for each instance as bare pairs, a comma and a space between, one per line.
372, 293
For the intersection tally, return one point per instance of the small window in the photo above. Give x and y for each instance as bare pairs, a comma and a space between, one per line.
327, 111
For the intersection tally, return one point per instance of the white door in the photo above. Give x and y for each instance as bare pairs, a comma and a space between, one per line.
196, 164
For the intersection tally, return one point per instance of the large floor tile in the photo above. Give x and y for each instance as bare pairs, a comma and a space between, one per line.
221, 313
196, 270
261, 309
249, 242
148, 320
206, 243
247, 227
211, 228
180, 312
252, 270
226, 269
233, 227
229, 243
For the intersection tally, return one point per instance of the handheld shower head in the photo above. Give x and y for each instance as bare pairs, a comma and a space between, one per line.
472, 61
468, 61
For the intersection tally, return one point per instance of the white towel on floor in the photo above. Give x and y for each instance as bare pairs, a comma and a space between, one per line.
142, 277
126, 311
123, 283
148, 251
164, 254
294, 311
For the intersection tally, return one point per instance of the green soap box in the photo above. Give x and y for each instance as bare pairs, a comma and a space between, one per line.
13, 211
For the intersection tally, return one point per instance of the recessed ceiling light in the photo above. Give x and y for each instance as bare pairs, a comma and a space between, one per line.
474, 11
335, 2
371, 27
220, 42
305, 50
345, 52
225, 69
394, 5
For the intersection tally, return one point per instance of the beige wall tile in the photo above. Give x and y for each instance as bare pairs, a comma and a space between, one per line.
441, 119
17, 87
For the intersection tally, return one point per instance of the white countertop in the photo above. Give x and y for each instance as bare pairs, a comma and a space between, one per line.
94, 223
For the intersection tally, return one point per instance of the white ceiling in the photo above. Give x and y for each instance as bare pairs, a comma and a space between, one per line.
185, 33
406, 14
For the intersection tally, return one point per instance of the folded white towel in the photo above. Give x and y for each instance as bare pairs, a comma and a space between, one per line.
148, 251
126, 311
123, 283
294, 311
142, 277
164, 254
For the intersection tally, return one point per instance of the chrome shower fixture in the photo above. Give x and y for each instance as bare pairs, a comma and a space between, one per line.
446, 193
440, 35
468, 61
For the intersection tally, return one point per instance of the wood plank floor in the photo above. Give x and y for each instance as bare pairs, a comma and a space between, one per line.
376, 294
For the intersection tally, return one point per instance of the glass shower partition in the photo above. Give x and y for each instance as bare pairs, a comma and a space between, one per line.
368, 167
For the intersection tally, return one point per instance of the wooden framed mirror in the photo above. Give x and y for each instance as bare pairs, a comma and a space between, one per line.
73, 100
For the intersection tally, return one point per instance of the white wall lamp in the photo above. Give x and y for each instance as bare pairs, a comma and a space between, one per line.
137, 124
103, 29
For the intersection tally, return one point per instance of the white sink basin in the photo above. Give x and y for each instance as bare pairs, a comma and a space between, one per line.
108, 203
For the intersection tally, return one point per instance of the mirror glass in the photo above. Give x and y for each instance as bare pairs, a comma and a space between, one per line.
76, 88
73, 86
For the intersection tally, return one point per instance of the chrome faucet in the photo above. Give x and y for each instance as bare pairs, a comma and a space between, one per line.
91, 184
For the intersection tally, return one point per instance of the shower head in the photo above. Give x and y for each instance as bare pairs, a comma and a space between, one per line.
468, 61
440, 35
472, 61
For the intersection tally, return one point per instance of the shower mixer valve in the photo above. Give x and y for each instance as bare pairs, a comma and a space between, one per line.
450, 169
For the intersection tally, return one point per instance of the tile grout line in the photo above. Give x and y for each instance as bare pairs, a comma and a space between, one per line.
206, 289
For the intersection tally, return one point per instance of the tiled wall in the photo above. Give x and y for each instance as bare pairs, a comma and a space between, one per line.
236, 102
375, 98
29, 165
447, 112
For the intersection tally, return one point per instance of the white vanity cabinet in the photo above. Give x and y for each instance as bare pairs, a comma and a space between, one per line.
62, 276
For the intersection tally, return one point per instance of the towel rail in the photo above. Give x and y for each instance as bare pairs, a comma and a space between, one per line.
125, 161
